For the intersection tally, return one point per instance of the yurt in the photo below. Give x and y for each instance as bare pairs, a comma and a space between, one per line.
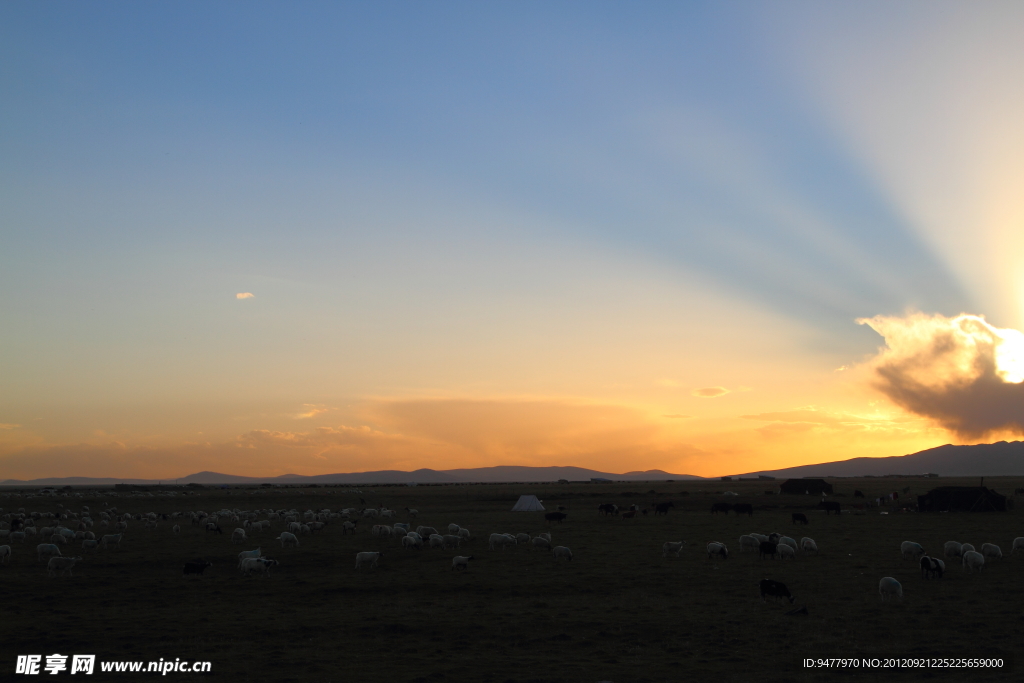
527, 504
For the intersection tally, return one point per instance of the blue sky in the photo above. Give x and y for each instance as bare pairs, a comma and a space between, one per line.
473, 200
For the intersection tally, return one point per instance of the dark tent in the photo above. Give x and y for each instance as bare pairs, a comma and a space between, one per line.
802, 486
961, 499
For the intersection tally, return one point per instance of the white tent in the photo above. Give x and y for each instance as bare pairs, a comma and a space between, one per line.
527, 504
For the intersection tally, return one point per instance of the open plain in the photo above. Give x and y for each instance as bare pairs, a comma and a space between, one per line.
619, 611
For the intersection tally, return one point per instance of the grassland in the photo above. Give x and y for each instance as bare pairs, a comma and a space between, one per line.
618, 612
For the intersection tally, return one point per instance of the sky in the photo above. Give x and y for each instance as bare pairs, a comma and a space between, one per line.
708, 238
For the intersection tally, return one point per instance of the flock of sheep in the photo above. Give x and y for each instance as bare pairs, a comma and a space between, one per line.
69, 526
73, 526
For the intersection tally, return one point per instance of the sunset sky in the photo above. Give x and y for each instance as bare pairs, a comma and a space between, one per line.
267, 238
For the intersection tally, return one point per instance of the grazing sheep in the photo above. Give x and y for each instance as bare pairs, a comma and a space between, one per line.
748, 542
522, 538
453, 528
412, 540
672, 547
808, 545
18, 536
992, 550
61, 564
453, 541
249, 554
90, 545
58, 538
5, 553
501, 540
541, 542
47, 550
460, 562
349, 526
561, 551
930, 567
288, 539
889, 586
257, 565
774, 589
717, 548
412, 513
973, 560
786, 550
967, 548
911, 550
426, 531
436, 541
761, 538
175, 529
786, 540
952, 549
195, 567
111, 540
1018, 543
545, 535
238, 535
368, 558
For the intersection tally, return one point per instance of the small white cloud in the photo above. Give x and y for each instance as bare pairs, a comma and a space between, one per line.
244, 295
841, 368
710, 392
312, 411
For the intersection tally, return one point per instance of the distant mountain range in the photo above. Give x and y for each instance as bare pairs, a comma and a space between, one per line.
981, 460
502, 473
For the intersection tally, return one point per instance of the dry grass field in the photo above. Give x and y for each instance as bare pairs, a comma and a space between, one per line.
618, 612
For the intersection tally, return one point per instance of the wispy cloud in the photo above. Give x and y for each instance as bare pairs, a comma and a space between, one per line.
312, 410
4, 425
244, 295
710, 392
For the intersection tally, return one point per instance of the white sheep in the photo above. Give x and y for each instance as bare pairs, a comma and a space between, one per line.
460, 562
890, 586
464, 534
249, 554
546, 536
412, 513
288, 539
749, 542
808, 545
522, 538
541, 542
294, 527
367, 558
992, 550
90, 545
175, 529
717, 548
911, 550
61, 564
1018, 543
111, 540
412, 540
761, 538
501, 540
952, 549
786, 540
453, 541
973, 560
47, 550
967, 548
785, 550
436, 541
238, 535
453, 528
18, 536
5, 553
561, 551
256, 565
671, 547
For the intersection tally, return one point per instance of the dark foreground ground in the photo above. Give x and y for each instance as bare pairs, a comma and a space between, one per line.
618, 612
